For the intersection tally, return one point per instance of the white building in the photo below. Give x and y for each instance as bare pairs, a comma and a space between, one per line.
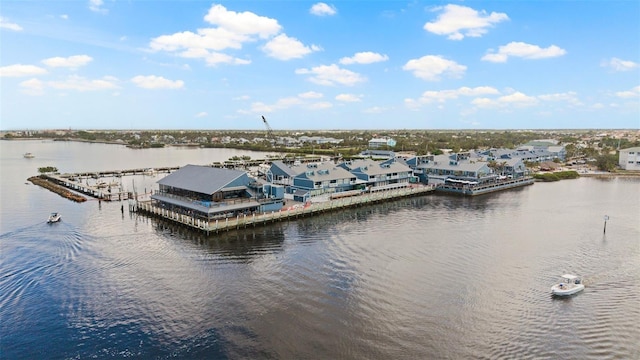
629, 159
376, 143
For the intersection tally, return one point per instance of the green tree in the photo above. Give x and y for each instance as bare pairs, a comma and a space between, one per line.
607, 162
47, 169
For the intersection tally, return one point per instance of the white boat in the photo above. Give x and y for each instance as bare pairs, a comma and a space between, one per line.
54, 217
569, 285
29, 155
150, 172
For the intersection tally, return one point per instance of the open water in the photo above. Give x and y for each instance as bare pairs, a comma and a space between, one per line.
432, 277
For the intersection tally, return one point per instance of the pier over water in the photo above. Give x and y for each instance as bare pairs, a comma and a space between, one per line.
301, 210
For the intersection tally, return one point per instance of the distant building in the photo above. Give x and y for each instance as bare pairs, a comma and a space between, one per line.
629, 159
378, 154
376, 143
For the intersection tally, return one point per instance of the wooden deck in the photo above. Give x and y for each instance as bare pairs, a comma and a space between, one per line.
474, 190
215, 226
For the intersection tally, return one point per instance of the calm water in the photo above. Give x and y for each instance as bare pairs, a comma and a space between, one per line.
437, 277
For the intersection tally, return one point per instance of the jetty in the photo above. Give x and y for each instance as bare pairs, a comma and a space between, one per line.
43, 181
285, 214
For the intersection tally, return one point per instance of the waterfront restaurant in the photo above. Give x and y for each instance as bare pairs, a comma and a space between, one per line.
210, 193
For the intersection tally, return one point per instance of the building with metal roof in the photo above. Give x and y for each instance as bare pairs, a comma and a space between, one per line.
321, 178
380, 174
209, 193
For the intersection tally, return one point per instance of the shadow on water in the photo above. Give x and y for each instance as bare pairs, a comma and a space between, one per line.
241, 244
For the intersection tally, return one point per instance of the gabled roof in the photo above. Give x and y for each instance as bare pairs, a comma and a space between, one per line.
285, 168
371, 167
444, 163
322, 171
201, 179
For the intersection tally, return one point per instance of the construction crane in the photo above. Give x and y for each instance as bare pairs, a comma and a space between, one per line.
269, 130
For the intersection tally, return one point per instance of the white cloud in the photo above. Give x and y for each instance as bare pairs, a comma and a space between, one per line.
79, 83
619, 64
518, 99
568, 97
320, 105
301, 100
242, 97
283, 47
204, 39
431, 67
19, 70
523, 50
459, 21
64, 17
70, 62
216, 58
349, 97
201, 114
441, 96
310, 95
96, 6
5, 24
32, 87
156, 82
515, 99
331, 75
366, 57
245, 23
322, 9
484, 102
232, 31
629, 94
375, 110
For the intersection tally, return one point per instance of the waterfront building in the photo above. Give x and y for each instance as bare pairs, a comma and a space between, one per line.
380, 175
629, 159
280, 173
522, 153
316, 179
461, 166
209, 193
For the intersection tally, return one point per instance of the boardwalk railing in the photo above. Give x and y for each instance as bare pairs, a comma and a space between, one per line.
243, 221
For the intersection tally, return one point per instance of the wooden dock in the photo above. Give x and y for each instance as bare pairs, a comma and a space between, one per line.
103, 190
285, 214
119, 173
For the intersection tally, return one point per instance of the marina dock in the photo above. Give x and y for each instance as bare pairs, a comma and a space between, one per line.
298, 211
102, 190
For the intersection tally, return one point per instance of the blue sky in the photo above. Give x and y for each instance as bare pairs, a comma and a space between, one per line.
104, 64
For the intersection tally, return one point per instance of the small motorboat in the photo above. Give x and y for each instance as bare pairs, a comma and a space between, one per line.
54, 217
569, 285
29, 155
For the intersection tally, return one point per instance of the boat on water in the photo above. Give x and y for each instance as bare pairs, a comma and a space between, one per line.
569, 285
54, 217
29, 155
